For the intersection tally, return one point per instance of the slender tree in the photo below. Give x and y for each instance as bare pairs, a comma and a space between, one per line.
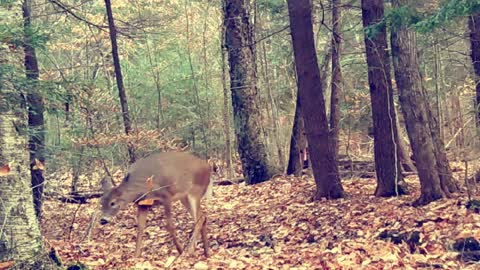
417, 113
243, 85
226, 110
310, 91
297, 142
36, 108
336, 74
474, 27
387, 160
119, 77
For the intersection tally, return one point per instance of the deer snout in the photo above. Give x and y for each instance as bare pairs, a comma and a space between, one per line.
103, 221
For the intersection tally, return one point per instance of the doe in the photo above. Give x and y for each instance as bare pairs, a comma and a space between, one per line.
162, 178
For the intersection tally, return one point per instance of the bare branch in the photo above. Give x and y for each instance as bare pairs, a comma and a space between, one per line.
68, 10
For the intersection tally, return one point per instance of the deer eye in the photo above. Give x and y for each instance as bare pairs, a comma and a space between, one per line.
112, 204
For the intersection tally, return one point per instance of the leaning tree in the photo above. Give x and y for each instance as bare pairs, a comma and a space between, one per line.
310, 91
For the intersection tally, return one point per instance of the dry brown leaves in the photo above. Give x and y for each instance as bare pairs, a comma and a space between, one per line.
275, 225
138, 137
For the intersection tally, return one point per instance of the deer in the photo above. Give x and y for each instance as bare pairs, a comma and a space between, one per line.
161, 179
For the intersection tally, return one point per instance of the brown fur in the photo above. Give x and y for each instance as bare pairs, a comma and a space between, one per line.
173, 176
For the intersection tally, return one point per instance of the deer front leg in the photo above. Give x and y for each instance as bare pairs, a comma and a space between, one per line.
170, 228
141, 222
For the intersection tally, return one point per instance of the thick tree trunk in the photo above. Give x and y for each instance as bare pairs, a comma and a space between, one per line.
418, 116
20, 240
445, 173
336, 74
119, 78
322, 155
474, 27
297, 142
36, 122
243, 78
298, 132
387, 160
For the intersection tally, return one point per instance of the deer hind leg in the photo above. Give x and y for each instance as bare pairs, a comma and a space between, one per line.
204, 237
168, 214
199, 223
141, 222
192, 210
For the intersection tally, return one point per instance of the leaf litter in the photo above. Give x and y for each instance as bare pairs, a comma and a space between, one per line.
274, 225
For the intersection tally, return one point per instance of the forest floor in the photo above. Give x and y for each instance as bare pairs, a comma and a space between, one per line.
275, 225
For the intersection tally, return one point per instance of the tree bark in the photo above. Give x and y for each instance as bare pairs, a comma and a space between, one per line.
297, 142
405, 159
474, 27
443, 166
226, 111
119, 78
36, 124
20, 239
387, 160
245, 98
418, 115
310, 91
336, 74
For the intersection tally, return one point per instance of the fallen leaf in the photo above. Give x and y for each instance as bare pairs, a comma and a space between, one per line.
170, 260
38, 165
4, 170
200, 266
6, 265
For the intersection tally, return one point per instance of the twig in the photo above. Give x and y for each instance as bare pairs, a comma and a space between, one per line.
148, 192
68, 11
91, 226
73, 221
203, 219
457, 133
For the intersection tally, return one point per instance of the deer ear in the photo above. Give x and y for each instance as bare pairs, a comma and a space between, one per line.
106, 184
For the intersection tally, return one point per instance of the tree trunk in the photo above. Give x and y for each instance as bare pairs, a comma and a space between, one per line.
310, 91
226, 111
387, 160
417, 114
458, 124
405, 160
445, 173
474, 27
203, 122
243, 78
273, 112
20, 239
298, 131
403, 145
36, 122
119, 78
297, 143
336, 74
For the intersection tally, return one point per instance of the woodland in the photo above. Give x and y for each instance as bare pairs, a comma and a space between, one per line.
326, 134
